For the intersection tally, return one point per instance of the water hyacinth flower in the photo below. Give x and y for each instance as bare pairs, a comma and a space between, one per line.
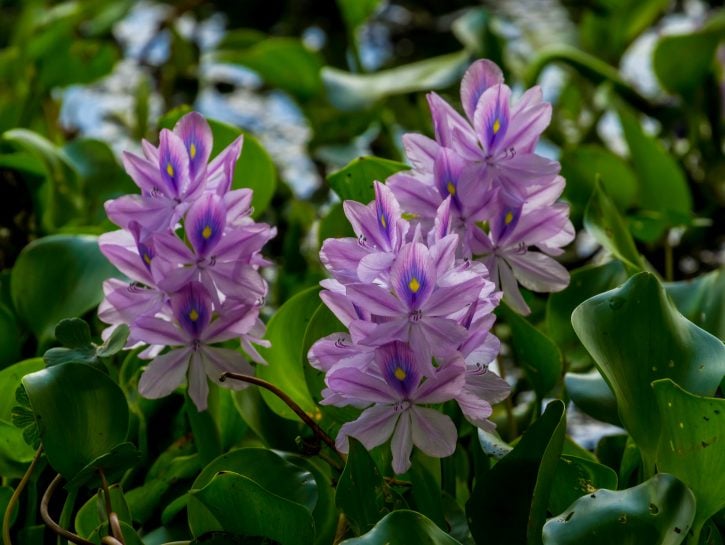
397, 393
186, 294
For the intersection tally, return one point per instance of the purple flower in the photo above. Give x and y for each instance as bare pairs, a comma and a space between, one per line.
191, 333
396, 390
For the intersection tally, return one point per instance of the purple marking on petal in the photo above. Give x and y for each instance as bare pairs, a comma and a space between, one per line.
173, 163
412, 276
388, 214
481, 75
399, 368
204, 223
504, 224
194, 131
491, 119
447, 171
192, 308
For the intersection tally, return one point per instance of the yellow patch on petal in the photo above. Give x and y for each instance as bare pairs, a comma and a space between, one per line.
193, 315
383, 221
496, 126
147, 259
414, 285
169, 169
192, 150
451, 188
400, 373
206, 233
509, 217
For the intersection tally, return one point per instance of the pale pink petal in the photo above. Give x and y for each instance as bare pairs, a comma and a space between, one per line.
432, 432
164, 374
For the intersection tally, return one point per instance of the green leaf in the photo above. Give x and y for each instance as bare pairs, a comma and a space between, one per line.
403, 528
576, 477
663, 185
582, 166
130, 536
74, 404
361, 493
356, 12
58, 200
691, 445
254, 169
58, 277
263, 513
286, 332
603, 221
355, 180
73, 333
592, 395
585, 283
425, 490
702, 301
269, 472
347, 91
534, 352
657, 512
281, 62
114, 343
683, 61
526, 475
636, 336
113, 463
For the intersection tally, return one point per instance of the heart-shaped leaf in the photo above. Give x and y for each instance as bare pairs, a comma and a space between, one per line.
403, 528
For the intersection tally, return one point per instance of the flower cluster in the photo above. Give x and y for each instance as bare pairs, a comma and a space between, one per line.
417, 291
503, 195
192, 254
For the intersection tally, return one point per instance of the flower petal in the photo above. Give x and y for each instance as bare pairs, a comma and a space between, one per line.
173, 164
223, 360
196, 135
413, 276
205, 222
402, 443
164, 374
375, 300
361, 385
491, 118
198, 383
372, 428
432, 432
481, 75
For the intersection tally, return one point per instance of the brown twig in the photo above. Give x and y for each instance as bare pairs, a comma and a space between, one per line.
57, 528
16, 495
318, 431
113, 522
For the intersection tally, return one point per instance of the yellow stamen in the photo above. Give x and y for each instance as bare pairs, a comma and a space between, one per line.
192, 150
509, 217
496, 126
193, 315
451, 188
414, 285
169, 169
147, 259
206, 233
399, 373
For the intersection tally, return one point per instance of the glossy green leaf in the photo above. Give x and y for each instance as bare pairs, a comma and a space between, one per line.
534, 352
592, 395
58, 199
254, 169
74, 404
113, 463
636, 336
584, 283
355, 180
657, 512
604, 222
691, 445
576, 477
15, 453
243, 507
403, 528
281, 62
348, 91
58, 277
702, 301
130, 536
93, 512
361, 493
286, 332
582, 166
663, 185
425, 494
682, 61
526, 477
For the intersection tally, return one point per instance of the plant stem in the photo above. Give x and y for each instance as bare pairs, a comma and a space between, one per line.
59, 530
113, 524
16, 496
67, 511
317, 430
